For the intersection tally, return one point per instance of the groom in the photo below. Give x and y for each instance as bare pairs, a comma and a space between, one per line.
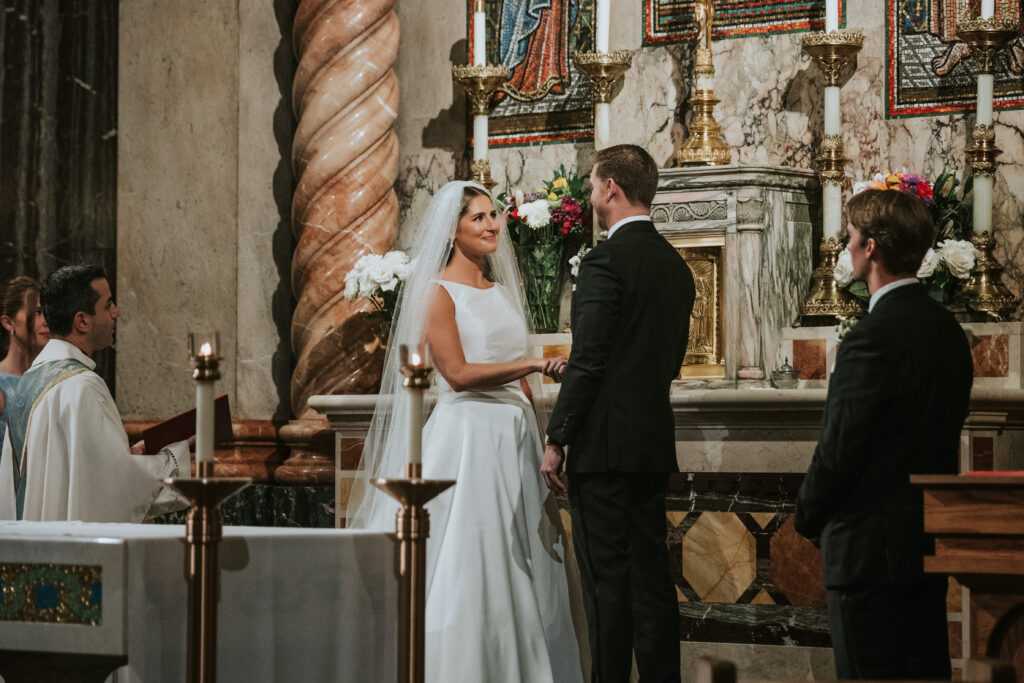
630, 321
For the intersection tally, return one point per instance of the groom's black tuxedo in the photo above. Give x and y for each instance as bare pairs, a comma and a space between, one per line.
630, 321
896, 403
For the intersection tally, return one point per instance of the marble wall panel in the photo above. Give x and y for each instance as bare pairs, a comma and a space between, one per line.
178, 157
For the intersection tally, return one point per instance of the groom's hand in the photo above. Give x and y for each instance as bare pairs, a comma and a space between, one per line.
551, 467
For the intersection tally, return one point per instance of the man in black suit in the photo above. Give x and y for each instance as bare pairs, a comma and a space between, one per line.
630, 321
896, 404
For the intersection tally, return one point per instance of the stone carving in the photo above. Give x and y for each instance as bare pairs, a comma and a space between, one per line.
345, 158
690, 212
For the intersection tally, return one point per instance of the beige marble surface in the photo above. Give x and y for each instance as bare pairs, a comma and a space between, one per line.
177, 197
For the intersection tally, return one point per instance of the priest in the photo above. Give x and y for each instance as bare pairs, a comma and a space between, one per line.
66, 454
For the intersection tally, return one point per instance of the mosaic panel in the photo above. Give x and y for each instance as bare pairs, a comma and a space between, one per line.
671, 21
51, 593
546, 98
930, 71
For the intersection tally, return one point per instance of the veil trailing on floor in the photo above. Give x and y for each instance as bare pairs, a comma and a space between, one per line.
385, 451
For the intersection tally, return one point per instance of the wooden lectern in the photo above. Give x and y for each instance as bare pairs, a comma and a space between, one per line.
977, 521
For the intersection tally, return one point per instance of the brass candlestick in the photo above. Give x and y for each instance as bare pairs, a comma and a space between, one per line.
833, 51
480, 83
203, 526
412, 525
603, 69
704, 146
984, 293
204, 523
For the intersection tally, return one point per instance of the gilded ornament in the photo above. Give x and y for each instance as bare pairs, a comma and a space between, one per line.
832, 51
982, 150
983, 292
987, 38
827, 298
480, 83
51, 593
603, 69
481, 172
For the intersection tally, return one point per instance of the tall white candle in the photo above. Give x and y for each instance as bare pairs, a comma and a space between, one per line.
986, 83
603, 24
831, 209
479, 42
479, 137
832, 116
204, 415
602, 125
988, 8
831, 15
415, 419
982, 204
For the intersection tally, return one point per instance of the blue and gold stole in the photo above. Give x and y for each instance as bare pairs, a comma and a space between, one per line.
33, 386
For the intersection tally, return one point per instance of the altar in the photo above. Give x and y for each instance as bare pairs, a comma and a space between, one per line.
295, 604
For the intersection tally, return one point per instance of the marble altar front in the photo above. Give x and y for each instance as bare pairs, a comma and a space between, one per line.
295, 605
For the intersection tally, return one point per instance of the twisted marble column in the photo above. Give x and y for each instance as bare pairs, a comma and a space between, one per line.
345, 158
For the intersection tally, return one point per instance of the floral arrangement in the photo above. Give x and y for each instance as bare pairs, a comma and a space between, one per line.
379, 279
574, 262
544, 226
557, 213
952, 258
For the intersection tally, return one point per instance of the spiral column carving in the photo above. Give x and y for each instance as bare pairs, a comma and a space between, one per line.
345, 159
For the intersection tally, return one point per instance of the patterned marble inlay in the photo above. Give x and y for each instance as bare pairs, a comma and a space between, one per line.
991, 353
719, 557
51, 593
796, 567
809, 358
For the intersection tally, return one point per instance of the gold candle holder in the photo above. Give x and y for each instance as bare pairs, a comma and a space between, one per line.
984, 293
826, 298
480, 171
480, 83
704, 146
832, 51
987, 38
603, 69
203, 530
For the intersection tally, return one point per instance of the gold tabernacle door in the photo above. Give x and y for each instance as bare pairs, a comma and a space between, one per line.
705, 350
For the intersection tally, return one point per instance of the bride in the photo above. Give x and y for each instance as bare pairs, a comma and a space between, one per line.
497, 594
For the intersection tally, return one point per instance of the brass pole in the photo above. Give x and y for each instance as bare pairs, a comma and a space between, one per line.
412, 526
203, 530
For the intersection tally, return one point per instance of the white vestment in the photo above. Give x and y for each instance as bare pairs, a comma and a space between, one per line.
78, 463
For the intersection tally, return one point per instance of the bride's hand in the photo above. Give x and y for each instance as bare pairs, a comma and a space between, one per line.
555, 367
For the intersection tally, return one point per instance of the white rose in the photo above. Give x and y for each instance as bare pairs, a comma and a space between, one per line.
879, 176
843, 272
929, 263
574, 265
398, 262
520, 197
352, 285
959, 256
537, 213
860, 186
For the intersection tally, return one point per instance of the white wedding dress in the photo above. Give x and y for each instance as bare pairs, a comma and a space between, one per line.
497, 593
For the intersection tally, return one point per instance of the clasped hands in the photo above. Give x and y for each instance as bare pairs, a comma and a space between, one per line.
553, 367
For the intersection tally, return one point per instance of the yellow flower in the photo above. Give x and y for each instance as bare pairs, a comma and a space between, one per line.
560, 182
552, 196
893, 181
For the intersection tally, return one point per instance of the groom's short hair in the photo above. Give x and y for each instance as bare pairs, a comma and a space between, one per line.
632, 169
900, 224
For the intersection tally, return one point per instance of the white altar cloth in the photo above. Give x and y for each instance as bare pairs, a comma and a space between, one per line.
296, 604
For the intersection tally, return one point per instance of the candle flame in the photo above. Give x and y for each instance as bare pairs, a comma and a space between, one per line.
415, 360
205, 350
